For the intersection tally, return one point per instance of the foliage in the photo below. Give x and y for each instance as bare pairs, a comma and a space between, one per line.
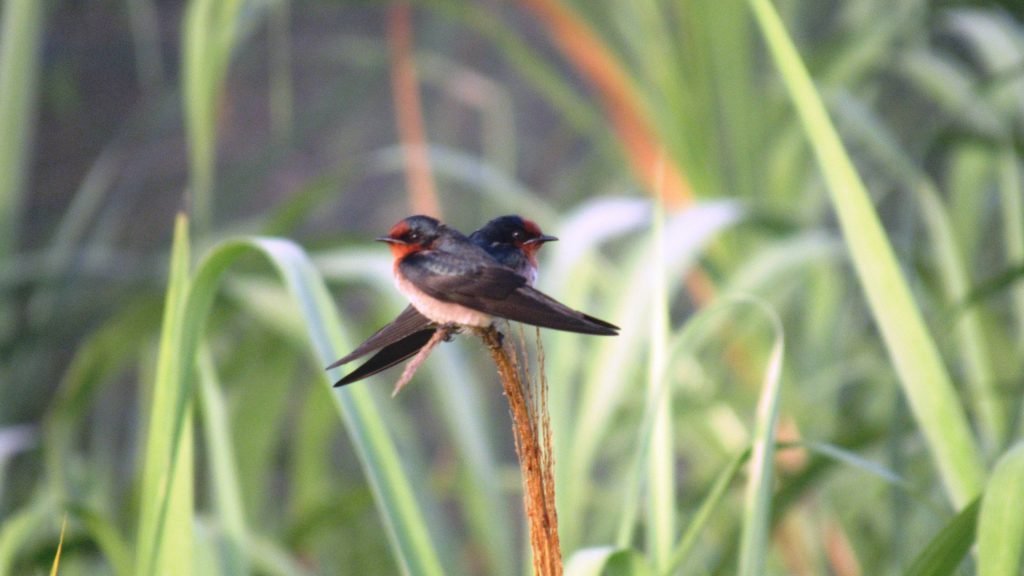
806, 217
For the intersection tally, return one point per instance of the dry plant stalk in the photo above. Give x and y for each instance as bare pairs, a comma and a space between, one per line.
532, 429
440, 335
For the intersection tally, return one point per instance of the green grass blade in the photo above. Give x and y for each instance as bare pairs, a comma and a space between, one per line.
19, 70
392, 490
606, 379
22, 528
987, 403
104, 532
164, 539
707, 508
757, 513
924, 378
1012, 211
661, 480
375, 447
607, 561
268, 558
227, 493
20, 38
208, 32
949, 547
1001, 523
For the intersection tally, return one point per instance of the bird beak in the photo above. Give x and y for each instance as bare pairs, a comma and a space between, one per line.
389, 240
541, 239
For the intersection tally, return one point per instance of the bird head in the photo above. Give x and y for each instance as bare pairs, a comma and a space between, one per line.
515, 231
413, 234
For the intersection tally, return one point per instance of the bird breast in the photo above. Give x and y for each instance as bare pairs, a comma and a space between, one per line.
438, 310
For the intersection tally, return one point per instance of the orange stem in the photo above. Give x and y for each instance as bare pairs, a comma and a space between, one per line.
409, 112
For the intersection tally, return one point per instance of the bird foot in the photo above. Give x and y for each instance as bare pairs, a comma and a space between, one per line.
450, 330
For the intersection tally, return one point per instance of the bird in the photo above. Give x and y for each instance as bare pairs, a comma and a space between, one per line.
450, 280
440, 254
511, 240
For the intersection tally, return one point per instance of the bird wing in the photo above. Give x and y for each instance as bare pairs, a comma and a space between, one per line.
409, 322
389, 356
531, 306
454, 277
495, 290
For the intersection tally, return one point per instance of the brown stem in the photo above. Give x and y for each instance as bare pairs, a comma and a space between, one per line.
530, 420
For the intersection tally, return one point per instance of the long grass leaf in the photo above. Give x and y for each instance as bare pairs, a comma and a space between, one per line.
757, 513
607, 561
98, 525
606, 379
227, 493
400, 511
208, 32
269, 558
949, 546
922, 374
661, 480
20, 37
1000, 523
707, 507
20, 530
1012, 211
164, 538
987, 403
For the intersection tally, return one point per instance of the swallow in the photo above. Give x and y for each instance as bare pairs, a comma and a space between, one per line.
511, 240
452, 281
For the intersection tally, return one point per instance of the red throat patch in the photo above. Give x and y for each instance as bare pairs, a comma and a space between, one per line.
400, 248
399, 251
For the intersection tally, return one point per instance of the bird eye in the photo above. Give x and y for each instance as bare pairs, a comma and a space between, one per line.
517, 235
412, 236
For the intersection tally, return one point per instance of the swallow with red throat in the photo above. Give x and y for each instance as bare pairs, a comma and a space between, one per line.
457, 281
511, 240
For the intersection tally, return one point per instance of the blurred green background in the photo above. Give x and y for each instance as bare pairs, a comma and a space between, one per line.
822, 357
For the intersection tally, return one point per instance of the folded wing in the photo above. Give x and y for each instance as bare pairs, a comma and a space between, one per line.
497, 291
